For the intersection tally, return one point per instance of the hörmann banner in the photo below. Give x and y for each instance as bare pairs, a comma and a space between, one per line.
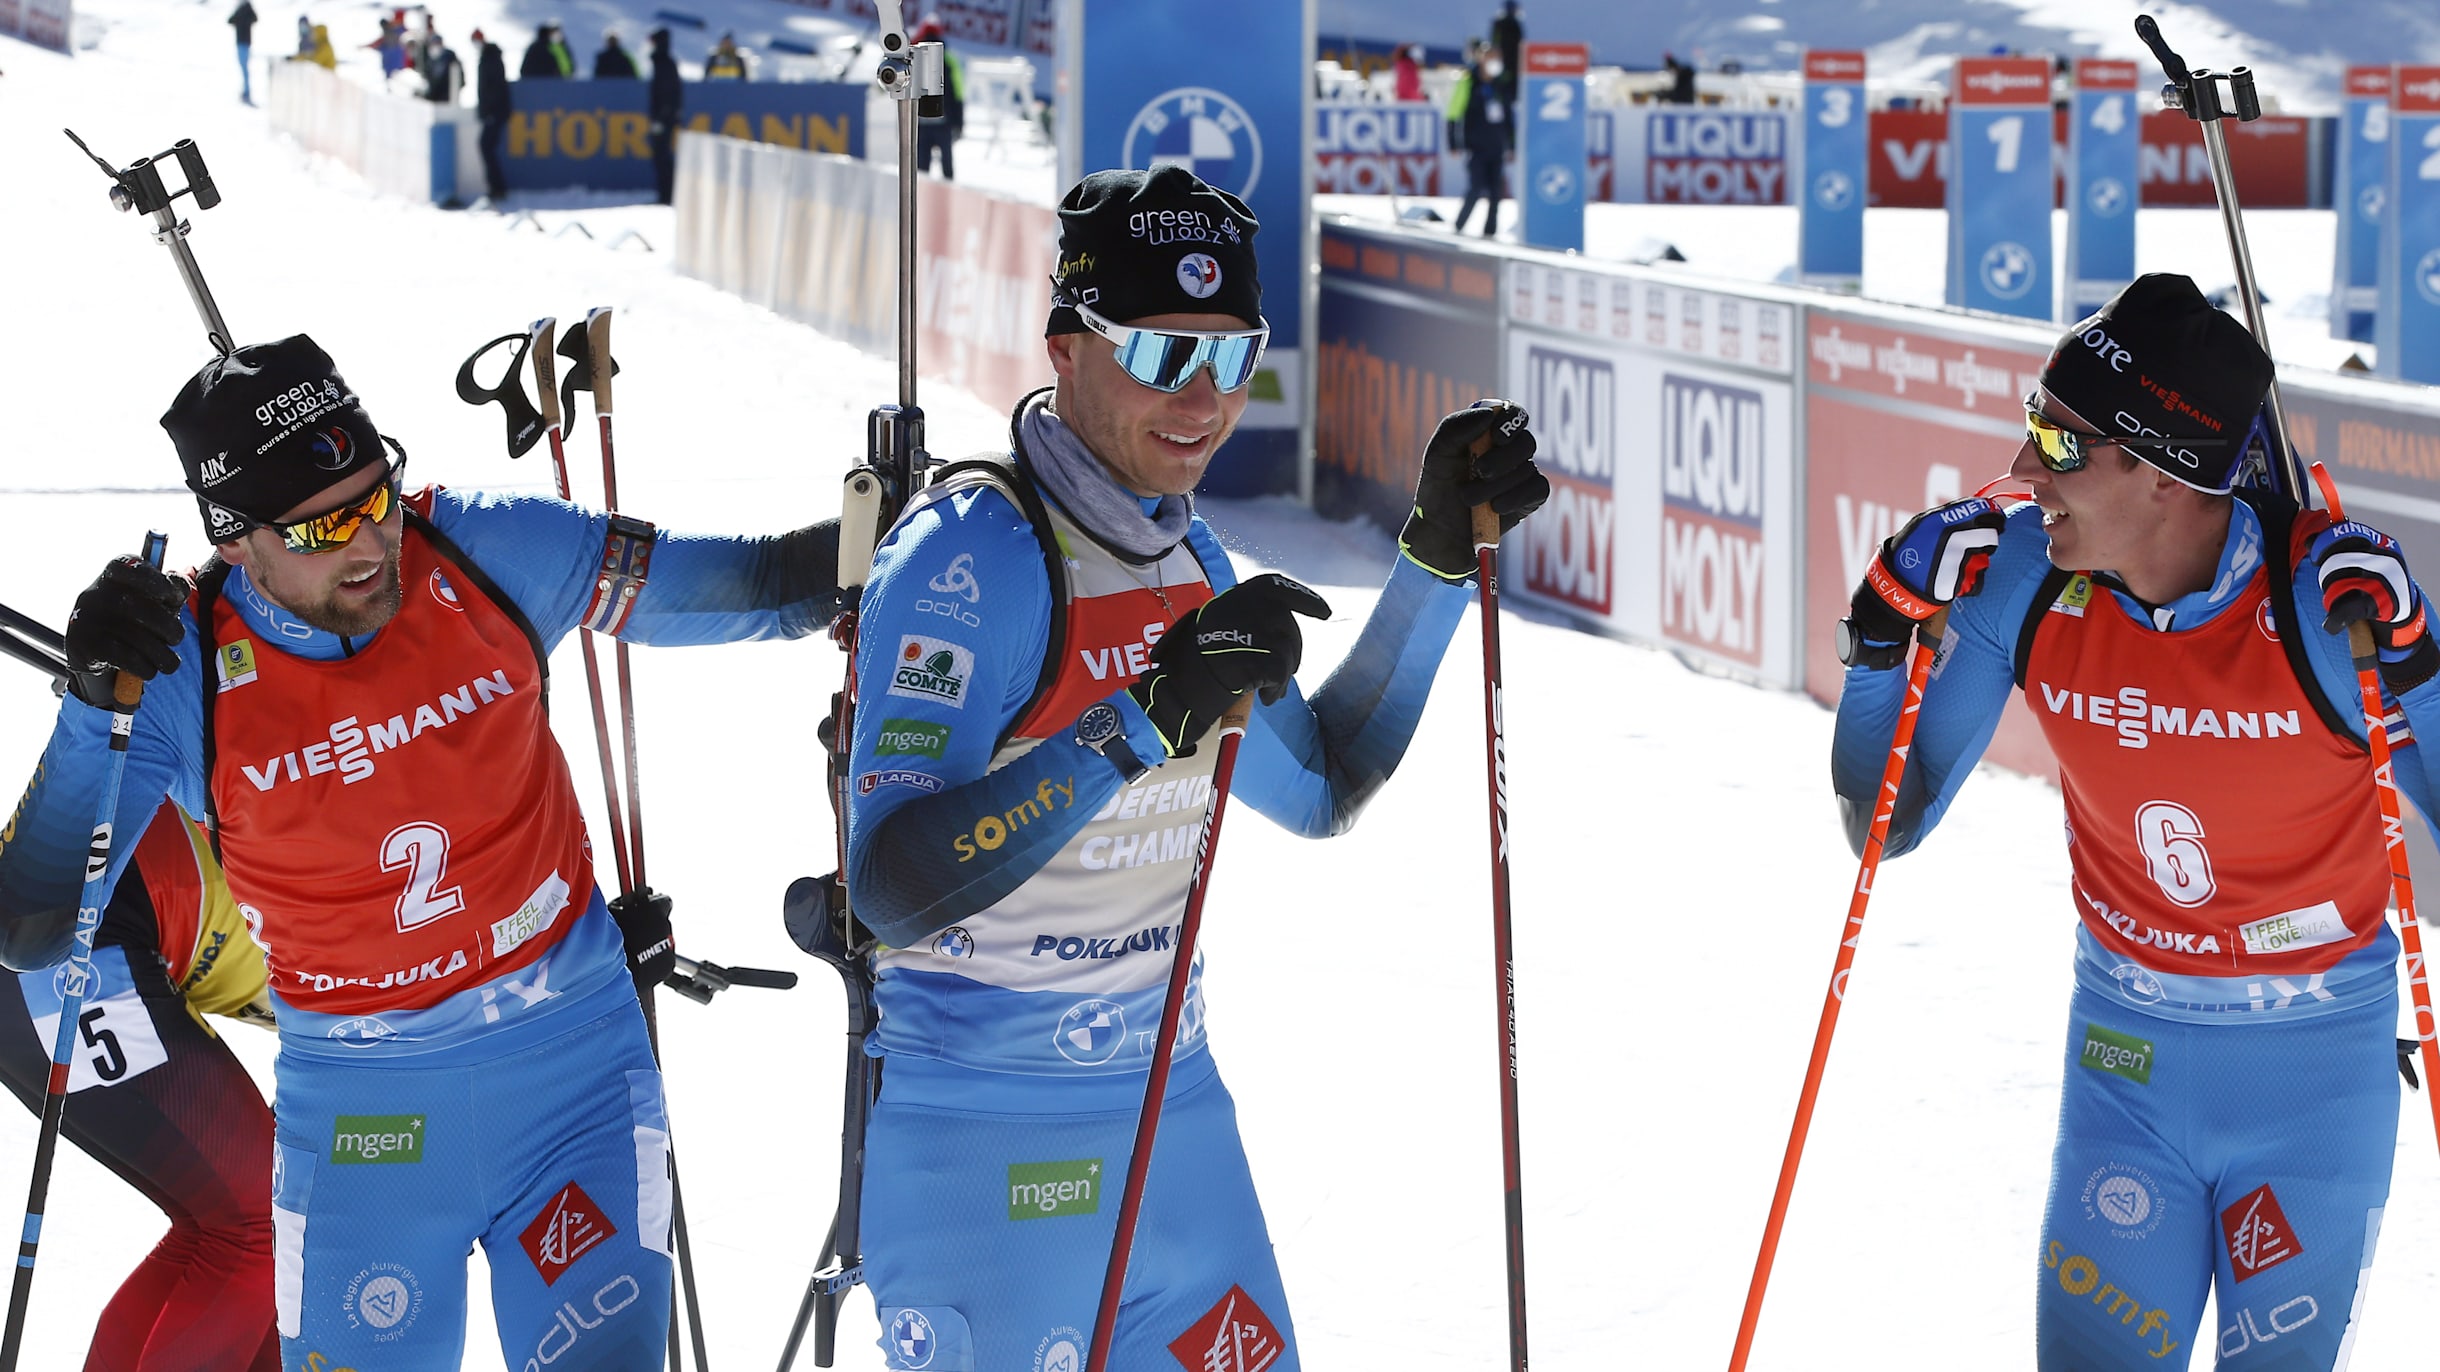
1666, 415
1409, 331
594, 134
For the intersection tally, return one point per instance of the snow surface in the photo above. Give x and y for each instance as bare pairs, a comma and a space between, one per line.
1679, 884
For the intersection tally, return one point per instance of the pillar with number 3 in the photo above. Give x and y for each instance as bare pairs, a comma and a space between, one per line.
1550, 128
1999, 192
1831, 183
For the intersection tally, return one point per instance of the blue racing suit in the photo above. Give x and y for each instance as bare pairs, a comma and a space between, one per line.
2220, 1118
520, 1110
1030, 896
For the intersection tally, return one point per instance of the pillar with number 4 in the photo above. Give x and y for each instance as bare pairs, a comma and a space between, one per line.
2408, 330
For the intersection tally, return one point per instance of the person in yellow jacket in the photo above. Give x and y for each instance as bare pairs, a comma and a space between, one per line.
318, 50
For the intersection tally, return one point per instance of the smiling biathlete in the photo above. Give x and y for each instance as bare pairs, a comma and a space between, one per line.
1047, 643
356, 705
2183, 644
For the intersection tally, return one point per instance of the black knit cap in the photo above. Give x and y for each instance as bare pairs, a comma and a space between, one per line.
2160, 359
265, 429
1133, 244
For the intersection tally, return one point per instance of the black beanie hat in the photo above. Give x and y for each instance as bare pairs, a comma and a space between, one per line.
264, 429
1133, 244
2160, 359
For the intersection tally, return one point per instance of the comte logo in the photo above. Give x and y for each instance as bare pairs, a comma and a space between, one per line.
932, 669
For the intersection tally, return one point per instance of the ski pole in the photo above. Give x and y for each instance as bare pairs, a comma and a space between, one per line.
2393, 832
1919, 657
1503, 950
127, 693
1156, 1081
2197, 93
820, 912
33, 643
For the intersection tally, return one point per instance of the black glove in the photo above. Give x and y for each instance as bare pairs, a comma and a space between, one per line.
126, 621
1934, 558
652, 954
1439, 535
1242, 639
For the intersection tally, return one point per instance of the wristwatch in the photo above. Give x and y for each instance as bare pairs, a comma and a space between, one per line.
1102, 729
1854, 651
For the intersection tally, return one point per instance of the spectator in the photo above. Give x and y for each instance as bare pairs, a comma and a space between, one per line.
1681, 80
491, 111
725, 63
941, 135
444, 77
319, 51
1406, 73
1479, 119
242, 19
547, 56
1508, 40
664, 104
613, 62
392, 45
304, 36
426, 48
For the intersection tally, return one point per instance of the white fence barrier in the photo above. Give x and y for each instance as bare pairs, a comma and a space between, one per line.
414, 149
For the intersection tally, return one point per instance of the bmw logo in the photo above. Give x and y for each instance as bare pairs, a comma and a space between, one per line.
1090, 1033
954, 942
911, 1339
1834, 190
2427, 276
1201, 130
2107, 196
2007, 270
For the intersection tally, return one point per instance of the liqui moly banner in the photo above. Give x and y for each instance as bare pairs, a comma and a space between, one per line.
1999, 191
1230, 99
2359, 193
1665, 415
1676, 155
1377, 149
2408, 329
2102, 146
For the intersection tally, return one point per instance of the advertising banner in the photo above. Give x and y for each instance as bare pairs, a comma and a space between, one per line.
1830, 216
1999, 191
1409, 332
594, 135
2408, 329
2358, 193
1666, 416
43, 23
2102, 147
1377, 149
1681, 155
1899, 419
2271, 158
1551, 147
985, 290
1908, 166
1147, 85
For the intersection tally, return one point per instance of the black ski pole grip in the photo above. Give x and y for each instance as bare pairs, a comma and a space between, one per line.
2148, 29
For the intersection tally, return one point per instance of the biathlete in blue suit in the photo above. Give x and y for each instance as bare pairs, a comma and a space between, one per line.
2230, 1110
1046, 644
354, 702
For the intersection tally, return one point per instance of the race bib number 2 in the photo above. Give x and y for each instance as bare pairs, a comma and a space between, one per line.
113, 1038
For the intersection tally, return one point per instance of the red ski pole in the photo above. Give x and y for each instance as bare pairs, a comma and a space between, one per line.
1503, 951
1156, 1082
2393, 832
1918, 670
